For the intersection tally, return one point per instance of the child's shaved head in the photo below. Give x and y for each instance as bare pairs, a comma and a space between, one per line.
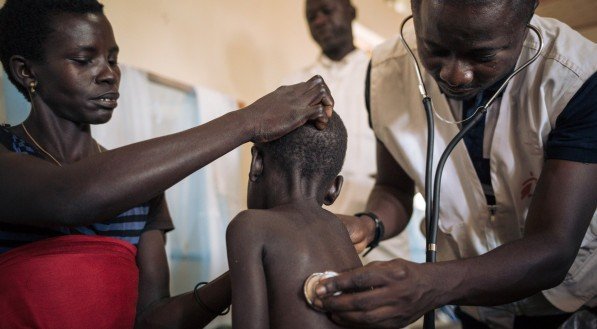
311, 152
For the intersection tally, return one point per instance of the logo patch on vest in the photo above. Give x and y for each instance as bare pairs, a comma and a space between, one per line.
528, 187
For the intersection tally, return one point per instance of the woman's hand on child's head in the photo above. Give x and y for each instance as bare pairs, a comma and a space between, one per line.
289, 107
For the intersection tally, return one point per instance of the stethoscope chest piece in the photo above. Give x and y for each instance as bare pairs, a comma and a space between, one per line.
310, 284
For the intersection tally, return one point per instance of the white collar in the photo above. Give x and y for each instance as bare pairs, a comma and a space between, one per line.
327, 62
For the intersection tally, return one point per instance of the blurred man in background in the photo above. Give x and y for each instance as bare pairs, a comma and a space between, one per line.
344, 68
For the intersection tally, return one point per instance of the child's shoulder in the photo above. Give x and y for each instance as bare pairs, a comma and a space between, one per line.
252, 225
254, 215
251, 219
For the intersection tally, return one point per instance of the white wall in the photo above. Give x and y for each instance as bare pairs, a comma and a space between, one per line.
244, 47
581, 15
239, 47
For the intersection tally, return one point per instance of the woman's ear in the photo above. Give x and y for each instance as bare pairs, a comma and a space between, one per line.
256, 164
21, 71
334, 190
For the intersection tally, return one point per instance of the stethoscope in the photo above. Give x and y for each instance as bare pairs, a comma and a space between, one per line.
433, 183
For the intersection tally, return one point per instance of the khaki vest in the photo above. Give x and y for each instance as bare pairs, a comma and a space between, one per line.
518, 125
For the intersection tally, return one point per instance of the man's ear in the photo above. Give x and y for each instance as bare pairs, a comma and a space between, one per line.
332, 193
533, 12
256, 164
353, 12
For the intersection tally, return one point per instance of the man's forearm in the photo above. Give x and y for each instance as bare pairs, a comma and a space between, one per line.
508, 273
560, 213
392, 207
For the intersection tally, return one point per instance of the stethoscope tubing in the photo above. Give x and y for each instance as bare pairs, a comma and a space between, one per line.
433, 182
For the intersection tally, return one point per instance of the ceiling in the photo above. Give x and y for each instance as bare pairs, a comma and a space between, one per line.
581, 15
379, 17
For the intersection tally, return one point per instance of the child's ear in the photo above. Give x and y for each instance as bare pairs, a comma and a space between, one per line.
334, 190
256, 164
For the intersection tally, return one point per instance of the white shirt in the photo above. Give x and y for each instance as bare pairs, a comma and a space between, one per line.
346, 80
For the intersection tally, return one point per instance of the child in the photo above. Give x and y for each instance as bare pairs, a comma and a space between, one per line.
286, 235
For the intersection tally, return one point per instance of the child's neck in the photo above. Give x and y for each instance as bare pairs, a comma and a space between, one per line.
295, 202
295, 191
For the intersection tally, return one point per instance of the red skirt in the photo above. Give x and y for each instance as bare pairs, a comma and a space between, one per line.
72, 281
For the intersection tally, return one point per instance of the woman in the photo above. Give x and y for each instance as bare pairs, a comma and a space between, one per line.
82, 228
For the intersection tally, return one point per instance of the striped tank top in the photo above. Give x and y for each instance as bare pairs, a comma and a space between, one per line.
127, 226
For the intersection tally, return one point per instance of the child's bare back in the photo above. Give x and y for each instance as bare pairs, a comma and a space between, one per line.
287, 244
286, 235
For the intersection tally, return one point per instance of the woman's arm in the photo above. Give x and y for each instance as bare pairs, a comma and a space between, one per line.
35, 192
155, 307
245, 243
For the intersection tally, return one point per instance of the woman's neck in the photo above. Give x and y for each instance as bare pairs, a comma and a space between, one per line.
64, 140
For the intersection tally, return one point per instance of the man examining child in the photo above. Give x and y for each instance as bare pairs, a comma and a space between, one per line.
286, 235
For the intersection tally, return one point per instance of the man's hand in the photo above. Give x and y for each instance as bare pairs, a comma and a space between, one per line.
360, 229
389, 294
289, 107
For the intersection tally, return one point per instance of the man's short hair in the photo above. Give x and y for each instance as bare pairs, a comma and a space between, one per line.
26, 24
524, 8
311, 152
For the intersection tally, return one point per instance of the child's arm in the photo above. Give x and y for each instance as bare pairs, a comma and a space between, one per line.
244, 240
